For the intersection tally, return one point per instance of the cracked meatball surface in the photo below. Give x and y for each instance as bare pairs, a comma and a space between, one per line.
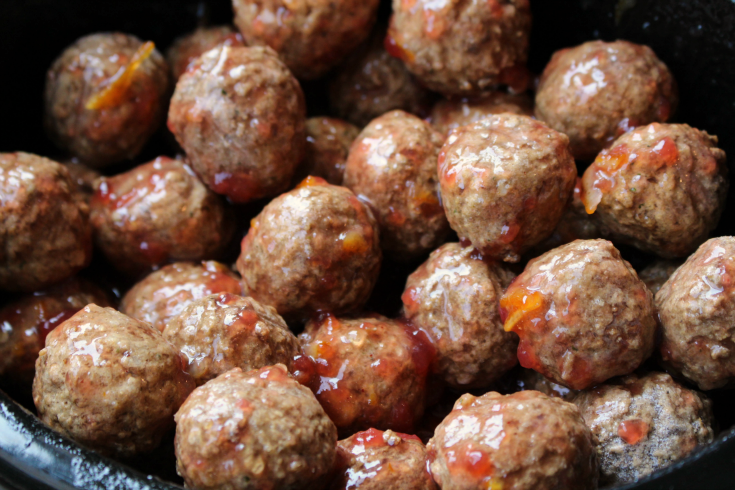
450, 114
189, 47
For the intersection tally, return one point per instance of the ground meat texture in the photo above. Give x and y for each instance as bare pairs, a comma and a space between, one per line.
450, 114
582, 314
310, 36
109, 382
526, 440
370, 372
253, 430
528, 379
315, 248
661, 188
186, 49
165, 293
454, 297
83, 179
239, 115
505, 182
392, 166
696, 307
462, 48
45, 236
156, 213
328, 143
224, 331
105, 96
596, 91
656, 274
376, 460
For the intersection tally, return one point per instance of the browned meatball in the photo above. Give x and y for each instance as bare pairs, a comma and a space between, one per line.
44, 226
253, 430
505, 182
661, 187
165, 293
454, 297
189, 47
109, 382
656, 274
239, 115
370, 372
156, 213
377, 460
83, 179
696, 307
596, 91
328, 143
105, 96
450, 114
224, 331
462, 48
310, 36
316, 248
582, 314
392, 166
526, 440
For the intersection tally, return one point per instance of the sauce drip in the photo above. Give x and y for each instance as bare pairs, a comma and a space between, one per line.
117, 88
632, 431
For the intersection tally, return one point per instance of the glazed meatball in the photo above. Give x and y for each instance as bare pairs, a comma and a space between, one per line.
83, 179
310, 36
696, 307
109, 382
656, 274
462, 48
643, 425
505, 182
224, 331
582, 314
528, 379
239, 114
370, 372
454, 297
157, 213
376, 460
44, 226
526, 440
328, 143
392, 166
259, 429
315, 248
661, 188
105, 96
596, 91
186, 49
165, 293
450, 114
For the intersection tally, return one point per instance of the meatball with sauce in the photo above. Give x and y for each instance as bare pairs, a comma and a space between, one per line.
528, 379
392, 166
505, 183
83, 178
582, 314
656, 274
109, 382
450, 114
189, 47
526, 440
44, 225
253, 430
105, 96
239, 115
597, 91
328, 143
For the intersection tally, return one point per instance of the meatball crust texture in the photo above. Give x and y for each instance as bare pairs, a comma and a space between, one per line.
328, 142
189, 47
450, 114
83, 178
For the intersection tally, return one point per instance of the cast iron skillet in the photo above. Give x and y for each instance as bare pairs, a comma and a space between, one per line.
696, 39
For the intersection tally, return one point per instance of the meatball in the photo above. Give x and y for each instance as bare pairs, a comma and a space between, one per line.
224, 331
165, 293
526, 440
259, 429
376, 460
450, 114
44, 226
696, 307
315, 248
596, 91
83, 179
656, 274
454, 297
105, 96
528, 379
661, 188
239, 114
186, 49
392, 166
505, 182
462, 48
310, 36
370, 372
328, 143
110, 382
157, 213
582, 315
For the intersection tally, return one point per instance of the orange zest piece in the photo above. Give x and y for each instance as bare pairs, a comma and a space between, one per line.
519, 304
311, 181
118, 85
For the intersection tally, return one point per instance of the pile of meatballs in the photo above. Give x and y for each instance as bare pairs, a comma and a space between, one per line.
441, 149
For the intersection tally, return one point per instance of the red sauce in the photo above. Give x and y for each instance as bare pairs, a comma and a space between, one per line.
470, 459
518, 78
395, 49
304, 371
522, 309
47, 326
240, 187
116, 90
410, 298
509, 232
311, 181
465, 242
632, 431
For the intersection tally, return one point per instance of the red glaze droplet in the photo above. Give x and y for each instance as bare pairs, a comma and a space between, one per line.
632, 431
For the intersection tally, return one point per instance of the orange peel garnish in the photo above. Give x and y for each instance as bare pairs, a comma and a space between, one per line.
118, 85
